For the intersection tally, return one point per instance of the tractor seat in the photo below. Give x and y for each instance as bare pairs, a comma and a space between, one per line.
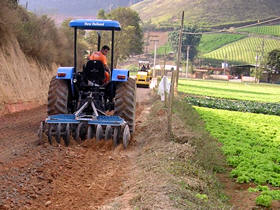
94, 71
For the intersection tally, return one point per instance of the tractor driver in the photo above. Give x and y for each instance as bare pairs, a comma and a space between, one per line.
110, 87
101, 56
143, 68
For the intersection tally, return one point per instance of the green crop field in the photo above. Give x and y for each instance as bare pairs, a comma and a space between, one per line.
164, 49
222, 89
251, 143
210, 42
244, 50
266, 30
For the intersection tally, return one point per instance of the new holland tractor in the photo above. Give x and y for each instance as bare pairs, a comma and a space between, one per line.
78, 100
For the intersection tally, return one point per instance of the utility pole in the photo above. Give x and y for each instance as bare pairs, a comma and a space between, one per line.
259, 57
179, 53
147, 43
225, 64
258, 73
155, 55
173, 82
164, 63
187, 64
170, 104
256, 68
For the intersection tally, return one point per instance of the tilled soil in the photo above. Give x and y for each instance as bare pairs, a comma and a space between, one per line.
35, 175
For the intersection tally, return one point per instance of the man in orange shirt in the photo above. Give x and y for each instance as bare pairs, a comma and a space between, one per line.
110, 88
101, 56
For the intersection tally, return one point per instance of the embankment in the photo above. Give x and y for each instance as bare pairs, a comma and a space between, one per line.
23, 81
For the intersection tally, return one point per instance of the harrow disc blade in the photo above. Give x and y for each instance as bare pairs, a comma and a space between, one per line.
116, 136
99, 133
58, 133
126, 136
108, 132
78, 132
90, 131
67, 135
50, 133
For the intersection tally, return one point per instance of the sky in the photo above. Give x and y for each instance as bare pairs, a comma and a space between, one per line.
72, 7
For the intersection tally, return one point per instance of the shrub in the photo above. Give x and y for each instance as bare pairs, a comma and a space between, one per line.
8, 18
38, 37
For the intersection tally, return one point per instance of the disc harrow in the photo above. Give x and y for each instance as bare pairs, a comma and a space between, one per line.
63, 127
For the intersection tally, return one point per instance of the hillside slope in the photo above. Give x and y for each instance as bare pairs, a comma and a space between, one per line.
24, 83
207, 11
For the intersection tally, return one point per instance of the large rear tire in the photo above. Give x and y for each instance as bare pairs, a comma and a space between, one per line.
58, 96
125, 102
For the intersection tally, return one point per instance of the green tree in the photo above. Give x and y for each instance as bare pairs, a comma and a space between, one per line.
101, 14
187, 39
129, 41
273, 62
13, 3
82, 44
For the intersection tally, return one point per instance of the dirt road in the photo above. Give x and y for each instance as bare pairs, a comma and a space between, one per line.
36, 175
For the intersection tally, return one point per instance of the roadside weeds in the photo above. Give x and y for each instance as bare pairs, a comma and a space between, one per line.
177, 173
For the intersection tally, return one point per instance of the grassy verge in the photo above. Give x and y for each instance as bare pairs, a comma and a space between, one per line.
178, 172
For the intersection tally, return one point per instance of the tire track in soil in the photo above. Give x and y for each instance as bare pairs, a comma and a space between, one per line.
39, 176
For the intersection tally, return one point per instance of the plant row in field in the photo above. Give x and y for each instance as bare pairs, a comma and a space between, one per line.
243, 50
240, 91
234, 105
210, 42
266, 195
251, 143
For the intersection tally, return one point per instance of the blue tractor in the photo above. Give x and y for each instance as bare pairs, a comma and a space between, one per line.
78, 100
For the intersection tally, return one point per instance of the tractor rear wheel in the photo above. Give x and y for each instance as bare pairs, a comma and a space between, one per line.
58, 96
125, 102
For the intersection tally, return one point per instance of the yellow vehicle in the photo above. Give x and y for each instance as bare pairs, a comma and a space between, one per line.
144, 74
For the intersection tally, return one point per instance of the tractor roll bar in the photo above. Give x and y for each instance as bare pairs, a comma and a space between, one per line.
75, 49
99, 40
112, 50
85, 24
